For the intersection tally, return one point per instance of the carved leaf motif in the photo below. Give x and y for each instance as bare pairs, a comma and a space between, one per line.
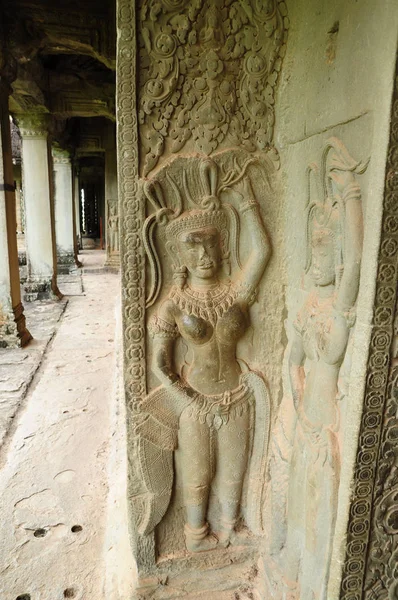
208, 75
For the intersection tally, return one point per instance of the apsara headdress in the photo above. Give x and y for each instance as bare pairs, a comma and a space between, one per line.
207, 211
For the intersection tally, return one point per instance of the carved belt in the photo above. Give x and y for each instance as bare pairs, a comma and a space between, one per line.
162, 409
216, 410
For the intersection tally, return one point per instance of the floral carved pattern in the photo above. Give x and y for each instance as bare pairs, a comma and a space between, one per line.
208, 71
132, 252
370, 570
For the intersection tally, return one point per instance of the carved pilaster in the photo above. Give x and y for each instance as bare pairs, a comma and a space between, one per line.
370, 569
207, 80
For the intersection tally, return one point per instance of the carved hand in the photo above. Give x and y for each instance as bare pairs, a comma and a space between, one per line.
342, 179
244, 188
183, 391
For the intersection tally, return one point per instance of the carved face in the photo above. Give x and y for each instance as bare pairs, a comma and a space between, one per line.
200, 252
323, 259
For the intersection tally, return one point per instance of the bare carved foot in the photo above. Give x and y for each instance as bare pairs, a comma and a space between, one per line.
208, 543
199, 539
225, 533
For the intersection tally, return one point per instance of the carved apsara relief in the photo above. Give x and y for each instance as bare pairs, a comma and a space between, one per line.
213, 409
321, 332
208, 71
113, 226
198, 409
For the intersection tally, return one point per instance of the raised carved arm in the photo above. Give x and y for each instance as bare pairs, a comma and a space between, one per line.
350, 192
260, 245
296, 371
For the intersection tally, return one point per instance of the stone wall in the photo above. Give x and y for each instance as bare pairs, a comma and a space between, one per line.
337, 82
196, 155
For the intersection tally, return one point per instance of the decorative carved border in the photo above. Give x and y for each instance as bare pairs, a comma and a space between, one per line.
132, 215
377, 456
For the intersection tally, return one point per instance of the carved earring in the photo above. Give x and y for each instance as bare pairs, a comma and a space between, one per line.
180, 276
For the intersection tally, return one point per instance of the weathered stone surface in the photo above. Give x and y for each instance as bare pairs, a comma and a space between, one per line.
322, 60
41, 282
371, 552
182, 73
17, 368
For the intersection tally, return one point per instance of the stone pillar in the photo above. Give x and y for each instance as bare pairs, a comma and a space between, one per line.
63, 201
13, 330
76, 202
39, 212
112, 209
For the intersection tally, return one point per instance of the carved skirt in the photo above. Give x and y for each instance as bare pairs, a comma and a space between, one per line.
157, 433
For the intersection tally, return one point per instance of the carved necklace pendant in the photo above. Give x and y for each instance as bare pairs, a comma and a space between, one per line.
209, 305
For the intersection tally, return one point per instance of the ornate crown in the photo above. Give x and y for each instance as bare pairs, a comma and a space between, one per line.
196, 219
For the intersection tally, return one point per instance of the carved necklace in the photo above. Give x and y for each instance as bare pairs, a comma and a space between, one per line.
209, 305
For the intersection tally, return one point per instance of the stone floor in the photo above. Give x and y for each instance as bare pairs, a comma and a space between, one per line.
53, 482
18, 367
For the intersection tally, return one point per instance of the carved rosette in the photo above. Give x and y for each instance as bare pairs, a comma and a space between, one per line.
370, 569
208, 74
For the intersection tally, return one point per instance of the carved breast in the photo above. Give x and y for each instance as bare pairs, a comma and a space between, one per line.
195, 330
229, 327
232, 325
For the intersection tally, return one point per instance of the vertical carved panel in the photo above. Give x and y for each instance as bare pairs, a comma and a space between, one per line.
306, 463
194, 186
370, 569
132, 252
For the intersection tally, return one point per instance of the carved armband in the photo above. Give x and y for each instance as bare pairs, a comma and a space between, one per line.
160, 328
348, 315
251, 205
246, 292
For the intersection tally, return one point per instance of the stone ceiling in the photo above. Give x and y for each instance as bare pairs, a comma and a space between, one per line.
61, 59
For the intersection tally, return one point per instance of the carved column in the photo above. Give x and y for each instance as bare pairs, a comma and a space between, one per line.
111, 202
39, 211
64, 210
13, 329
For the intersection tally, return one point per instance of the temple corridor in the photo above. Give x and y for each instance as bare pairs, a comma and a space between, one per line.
53, 480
